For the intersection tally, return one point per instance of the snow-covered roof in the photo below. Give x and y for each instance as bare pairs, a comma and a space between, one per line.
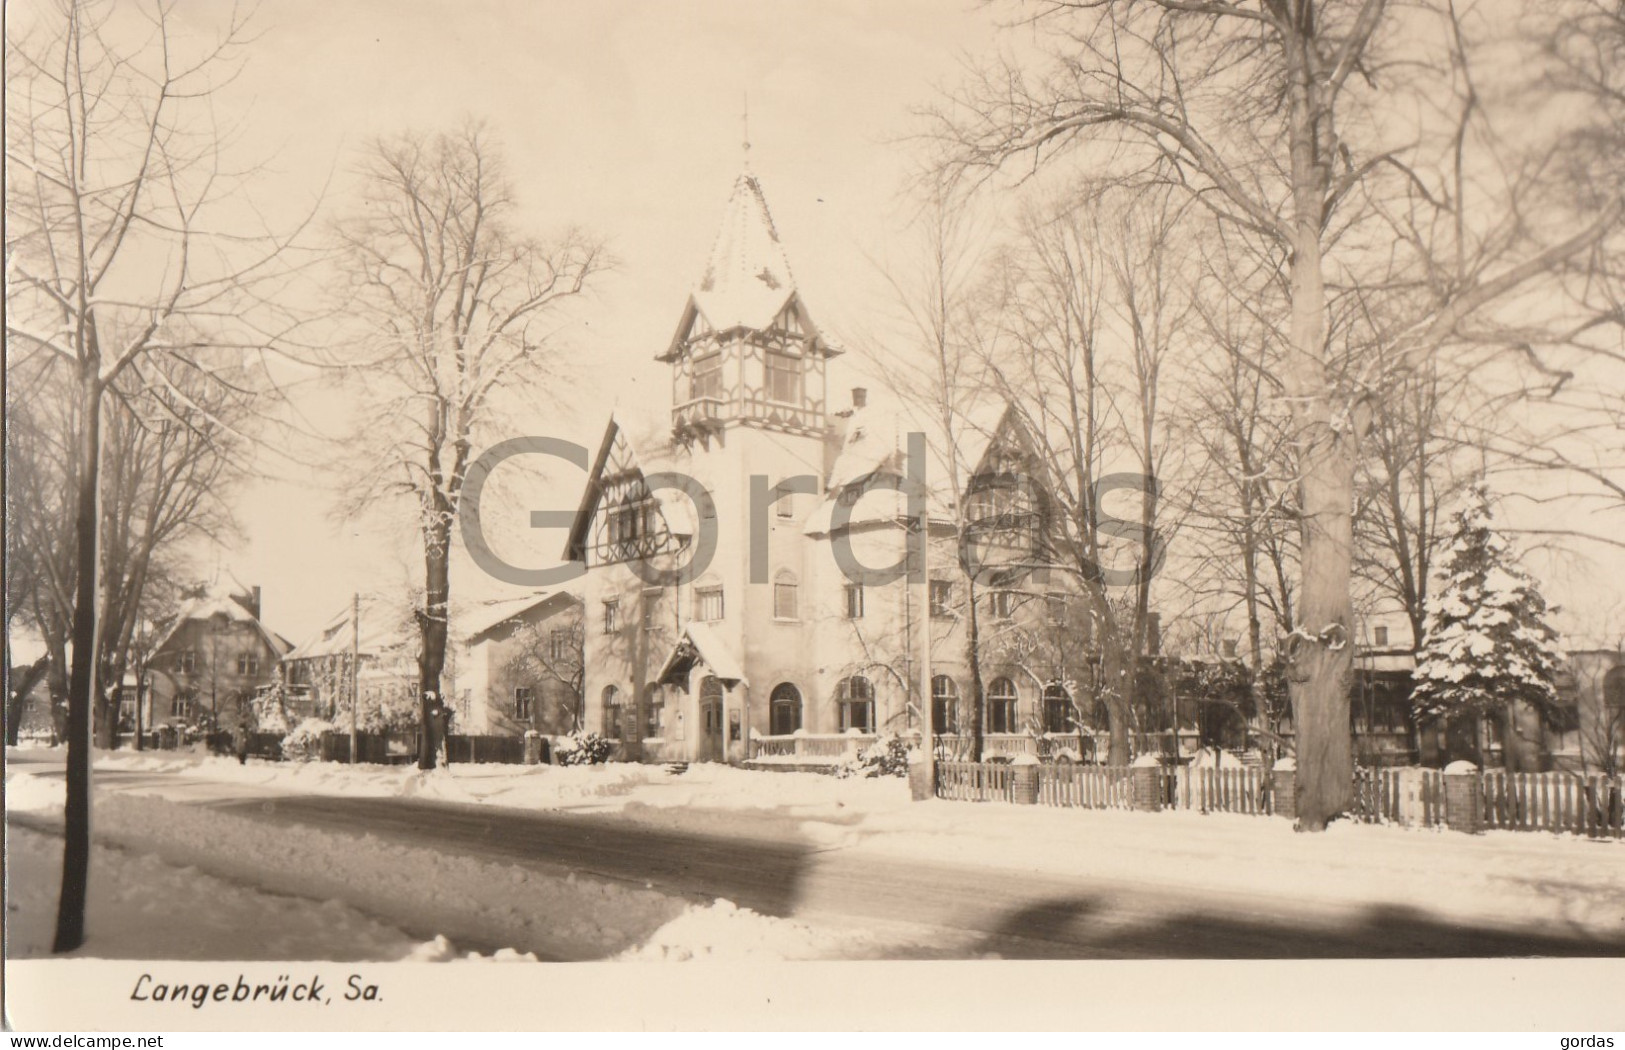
383, 627
479, 621
220, 602
700, 644
876, 440
747, 279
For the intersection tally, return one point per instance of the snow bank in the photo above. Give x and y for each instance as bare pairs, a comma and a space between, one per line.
141, 908
465, 901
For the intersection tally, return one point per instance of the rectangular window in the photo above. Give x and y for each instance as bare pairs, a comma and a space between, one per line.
1055, 608
248, 664
786, 505
612, 616
1379, 635
1003, 604
651, 609
186, 661
784, 600
783, 378
523, 695
854, 601
708, 604
942, 598
707, 380
557, 645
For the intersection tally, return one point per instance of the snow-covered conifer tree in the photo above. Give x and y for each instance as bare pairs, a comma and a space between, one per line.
1487, 646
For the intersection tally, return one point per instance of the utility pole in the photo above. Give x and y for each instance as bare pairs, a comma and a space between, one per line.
928, 704
355, 673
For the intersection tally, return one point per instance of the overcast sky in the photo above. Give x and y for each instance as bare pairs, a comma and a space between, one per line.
625, 117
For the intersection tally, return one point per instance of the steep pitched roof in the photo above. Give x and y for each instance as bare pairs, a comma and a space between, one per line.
699, 644
617, 455
747, 279
222, 602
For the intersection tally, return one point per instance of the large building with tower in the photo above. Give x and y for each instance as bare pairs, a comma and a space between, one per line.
751, 579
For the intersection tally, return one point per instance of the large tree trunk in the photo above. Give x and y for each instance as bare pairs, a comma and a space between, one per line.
70, 916
1325, 776
432, 626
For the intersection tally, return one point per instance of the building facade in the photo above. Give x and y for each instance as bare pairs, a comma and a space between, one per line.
759, 574
521, 666
211, 663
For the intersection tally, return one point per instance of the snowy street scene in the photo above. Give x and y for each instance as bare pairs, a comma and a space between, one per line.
1019, 483
637, 862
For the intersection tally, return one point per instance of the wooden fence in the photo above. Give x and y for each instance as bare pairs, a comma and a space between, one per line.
974, 781
1585, 804
1093, 787
1233, 790
1376, 796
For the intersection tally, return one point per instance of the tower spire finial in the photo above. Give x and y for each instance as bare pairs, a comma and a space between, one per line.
745, 125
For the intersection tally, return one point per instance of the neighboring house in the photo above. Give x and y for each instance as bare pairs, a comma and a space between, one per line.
212, 661
521, 665
317, 676
773, 637
1592, 688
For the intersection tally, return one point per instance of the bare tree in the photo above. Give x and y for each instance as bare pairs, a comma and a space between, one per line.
1089, 292
168, 458
1263, 114
458, 310
115, 176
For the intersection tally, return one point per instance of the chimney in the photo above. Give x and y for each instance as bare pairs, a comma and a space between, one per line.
860, 397
254, 601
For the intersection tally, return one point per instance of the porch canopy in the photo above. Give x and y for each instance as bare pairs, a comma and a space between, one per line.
700, 645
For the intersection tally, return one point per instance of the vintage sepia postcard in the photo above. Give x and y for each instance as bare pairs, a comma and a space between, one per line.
1098, 514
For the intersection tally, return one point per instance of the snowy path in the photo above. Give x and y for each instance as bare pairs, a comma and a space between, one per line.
966, 896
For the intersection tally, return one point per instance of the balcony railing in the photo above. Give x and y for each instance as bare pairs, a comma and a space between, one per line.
701, 412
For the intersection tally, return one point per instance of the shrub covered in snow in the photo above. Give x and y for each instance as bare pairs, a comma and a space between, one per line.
1487, 643
886, 757
304, 743
583, 749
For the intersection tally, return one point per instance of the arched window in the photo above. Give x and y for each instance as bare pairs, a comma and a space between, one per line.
784, 595
1057, 709
856, 696
944, 704
784, 710
654, 706
612, 712
1001, 706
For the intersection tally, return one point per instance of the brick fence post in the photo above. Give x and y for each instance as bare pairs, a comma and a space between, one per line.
1145, 783
1024, 779
1284, 788
533, 748
1462, 811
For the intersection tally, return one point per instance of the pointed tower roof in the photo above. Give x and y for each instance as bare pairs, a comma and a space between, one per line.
747, 279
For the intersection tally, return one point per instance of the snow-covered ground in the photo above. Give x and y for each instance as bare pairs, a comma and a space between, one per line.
1557, 884
276, 892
